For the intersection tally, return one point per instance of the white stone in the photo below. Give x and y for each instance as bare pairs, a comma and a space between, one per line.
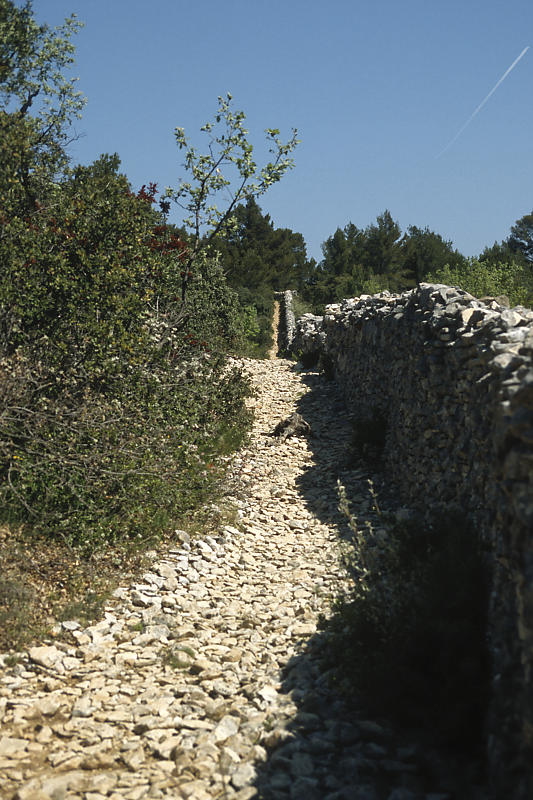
228, 726
10, 746
268, 693
243, 775
47, 656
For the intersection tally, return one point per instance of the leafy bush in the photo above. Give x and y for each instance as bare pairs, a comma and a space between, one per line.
257, 306
483, 278
115, 398
300, 306
104, 469
116, 395
409, 638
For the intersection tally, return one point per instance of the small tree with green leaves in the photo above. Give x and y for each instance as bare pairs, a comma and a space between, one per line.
38, 101
226, 173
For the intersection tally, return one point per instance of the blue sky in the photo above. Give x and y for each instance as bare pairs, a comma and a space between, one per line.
376, 89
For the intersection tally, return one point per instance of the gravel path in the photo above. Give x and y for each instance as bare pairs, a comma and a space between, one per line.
203, 680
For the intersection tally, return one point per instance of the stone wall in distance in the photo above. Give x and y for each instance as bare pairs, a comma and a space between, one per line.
287, 321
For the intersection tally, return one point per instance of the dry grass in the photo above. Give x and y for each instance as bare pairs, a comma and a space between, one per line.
45, 581
42, 582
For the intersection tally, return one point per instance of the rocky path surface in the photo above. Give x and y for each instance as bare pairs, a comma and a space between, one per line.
204, 680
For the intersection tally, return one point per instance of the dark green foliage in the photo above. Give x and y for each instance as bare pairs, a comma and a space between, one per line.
520, 241
115, 398
255, 253
410, 638
259, 259
382, 249
499, 253
325, 288
112, 412
115, 465
424, 251
346, 267
364, 261
343, 251
121, 453
356, 261
362, 253
256, 308
77, 270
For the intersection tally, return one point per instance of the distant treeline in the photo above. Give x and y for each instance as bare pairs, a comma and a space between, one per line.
258, 258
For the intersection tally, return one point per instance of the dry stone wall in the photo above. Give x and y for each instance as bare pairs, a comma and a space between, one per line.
287, 321
451, 378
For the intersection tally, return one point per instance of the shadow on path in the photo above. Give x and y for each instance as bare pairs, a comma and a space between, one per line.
330, 751
324, 753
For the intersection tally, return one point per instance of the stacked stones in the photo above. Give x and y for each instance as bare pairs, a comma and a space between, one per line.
310, 337
204, 678
451, 378
287, 321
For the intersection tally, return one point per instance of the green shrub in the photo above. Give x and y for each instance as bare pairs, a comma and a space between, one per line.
256, 311
104, 469
482, 278
115, 397
300, 306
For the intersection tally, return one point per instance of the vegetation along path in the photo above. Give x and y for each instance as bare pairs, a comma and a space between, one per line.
206, 678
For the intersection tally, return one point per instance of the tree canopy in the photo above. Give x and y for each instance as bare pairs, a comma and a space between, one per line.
423, 251
366, 260
520, 241
516, 248
259, 259
38, 101
255, 253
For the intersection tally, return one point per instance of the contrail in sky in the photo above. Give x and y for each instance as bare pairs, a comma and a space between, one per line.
480, 106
